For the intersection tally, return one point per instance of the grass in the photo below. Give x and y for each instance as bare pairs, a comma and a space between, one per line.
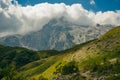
41, 68
112, 33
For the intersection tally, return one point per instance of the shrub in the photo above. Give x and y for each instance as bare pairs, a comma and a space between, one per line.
42, 78
68, 68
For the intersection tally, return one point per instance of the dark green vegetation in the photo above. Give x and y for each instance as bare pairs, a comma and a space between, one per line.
16, 57
69, 68
96, 59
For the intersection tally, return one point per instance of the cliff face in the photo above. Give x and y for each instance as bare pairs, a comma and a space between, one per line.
56, 35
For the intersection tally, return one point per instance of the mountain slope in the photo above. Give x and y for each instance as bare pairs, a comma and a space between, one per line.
112, 33
16, 57
96, 59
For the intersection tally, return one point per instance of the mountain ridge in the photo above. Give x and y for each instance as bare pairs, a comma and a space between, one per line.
55, 35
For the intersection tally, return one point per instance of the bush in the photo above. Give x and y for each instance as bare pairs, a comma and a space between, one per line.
68, 68
42, 78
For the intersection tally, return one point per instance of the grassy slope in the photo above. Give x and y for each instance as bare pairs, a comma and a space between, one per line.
107, 47
111, 33
18, 57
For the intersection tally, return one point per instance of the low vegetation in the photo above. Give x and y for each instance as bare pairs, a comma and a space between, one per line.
68, 68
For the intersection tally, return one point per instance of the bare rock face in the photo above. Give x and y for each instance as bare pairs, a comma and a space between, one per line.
57, 34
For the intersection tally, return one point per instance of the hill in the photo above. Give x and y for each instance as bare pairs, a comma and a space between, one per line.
17, 57
112, 33
96, 59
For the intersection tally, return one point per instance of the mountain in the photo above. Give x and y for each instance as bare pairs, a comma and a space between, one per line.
57, 34
97, 59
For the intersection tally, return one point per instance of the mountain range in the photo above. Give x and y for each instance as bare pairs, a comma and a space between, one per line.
57, 34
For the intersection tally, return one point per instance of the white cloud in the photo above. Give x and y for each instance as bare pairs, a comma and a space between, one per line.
92, 2
21, 20
108, 17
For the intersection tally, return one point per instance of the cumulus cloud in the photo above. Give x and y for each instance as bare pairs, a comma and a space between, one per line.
17, 19
92, 2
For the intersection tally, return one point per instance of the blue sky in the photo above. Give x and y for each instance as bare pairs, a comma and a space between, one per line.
100, 5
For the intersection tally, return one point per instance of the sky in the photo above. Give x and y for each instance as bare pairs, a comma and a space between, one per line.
24, 16
94, 5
